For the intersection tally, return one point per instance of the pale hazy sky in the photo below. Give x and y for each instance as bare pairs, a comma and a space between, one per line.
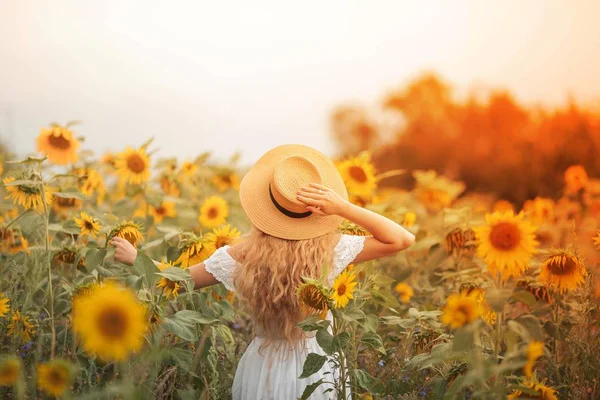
249, 75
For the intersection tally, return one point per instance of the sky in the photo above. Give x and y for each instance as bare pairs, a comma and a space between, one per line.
247, 76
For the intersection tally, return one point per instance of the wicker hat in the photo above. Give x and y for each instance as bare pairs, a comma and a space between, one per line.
268, 192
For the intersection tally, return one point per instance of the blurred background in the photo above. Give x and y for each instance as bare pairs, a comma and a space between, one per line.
501, 95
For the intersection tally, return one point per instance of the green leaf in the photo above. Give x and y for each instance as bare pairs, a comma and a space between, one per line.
134, 282
533, 326
340, 341
463, 340
175, 274
325, 340
497, 298
71, 194
367, 382
22, 182
144, 266
94, 257
308, 391
312, 365
373, 340
190, 316
353, 314
313, 323
181, 357
524, 297
152, 244
223, 309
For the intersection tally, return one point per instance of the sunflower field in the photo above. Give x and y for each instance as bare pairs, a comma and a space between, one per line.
493, 300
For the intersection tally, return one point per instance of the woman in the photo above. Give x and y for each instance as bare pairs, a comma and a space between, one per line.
296, 200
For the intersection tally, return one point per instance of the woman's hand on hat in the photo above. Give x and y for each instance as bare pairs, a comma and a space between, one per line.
321, 200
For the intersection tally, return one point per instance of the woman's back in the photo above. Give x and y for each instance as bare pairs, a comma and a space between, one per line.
277, 353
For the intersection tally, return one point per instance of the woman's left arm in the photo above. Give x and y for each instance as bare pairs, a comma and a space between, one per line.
126, 254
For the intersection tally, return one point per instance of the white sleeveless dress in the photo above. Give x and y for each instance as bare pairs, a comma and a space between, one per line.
272, 373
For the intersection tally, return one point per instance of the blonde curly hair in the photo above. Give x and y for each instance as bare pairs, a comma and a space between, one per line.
269, 273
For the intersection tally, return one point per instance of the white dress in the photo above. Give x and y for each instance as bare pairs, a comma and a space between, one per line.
272, 373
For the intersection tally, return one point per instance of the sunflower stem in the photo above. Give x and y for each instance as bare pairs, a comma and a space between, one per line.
16, 219
49, 257
499, 316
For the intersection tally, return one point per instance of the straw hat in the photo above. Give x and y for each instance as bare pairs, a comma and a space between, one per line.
268, 192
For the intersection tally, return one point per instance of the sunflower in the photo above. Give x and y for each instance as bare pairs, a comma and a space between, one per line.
506, 243
597, 240
8, 215
28, 196
109, 159
543, 392
13, 242
226, 180
343, 289
460, 241
62, 205
404, 291
165, 209
133, 165
169, 185
535, 350
10, 370
88, 224
68, 256
213, 212
314, 298
170, 288
563, 270
502, 206
21, 326
358, 174
188, 169
110, 321
90, 181
54, 377
4, 305
222, 236
576, 178
59, 144
539, 210
434, 199
460, 309
194, 251
540, 292
350, 228
129, 231
487, 314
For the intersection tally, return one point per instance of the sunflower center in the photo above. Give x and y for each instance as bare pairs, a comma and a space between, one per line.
312, 297
341, 289
505, 236
221, 241
213, 212
463, 311
89, 225
59, 142
562, 264
161, 210
56, 377
9, 372
136, 164
226, 179
357, 173
66, 202
112, 323
29, 190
